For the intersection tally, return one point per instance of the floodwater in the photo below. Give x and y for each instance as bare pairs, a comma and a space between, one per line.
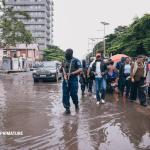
37, 111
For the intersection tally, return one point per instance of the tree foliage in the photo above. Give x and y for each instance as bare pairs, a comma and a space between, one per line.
12, 30
53, 53
131, 40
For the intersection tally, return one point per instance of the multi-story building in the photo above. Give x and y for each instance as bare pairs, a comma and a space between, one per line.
41, 22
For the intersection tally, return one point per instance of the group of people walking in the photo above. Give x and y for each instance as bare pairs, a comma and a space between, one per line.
130, 78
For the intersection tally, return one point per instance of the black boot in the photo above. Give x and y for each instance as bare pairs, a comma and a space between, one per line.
149, 91
144, 104
67, 112
77, 108
82, 93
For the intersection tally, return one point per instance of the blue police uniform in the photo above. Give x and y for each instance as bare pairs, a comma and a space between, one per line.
70, 88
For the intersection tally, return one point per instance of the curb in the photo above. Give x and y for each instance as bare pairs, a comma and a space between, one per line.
11, 71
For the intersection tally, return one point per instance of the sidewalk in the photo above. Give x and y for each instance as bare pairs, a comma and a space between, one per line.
11, 71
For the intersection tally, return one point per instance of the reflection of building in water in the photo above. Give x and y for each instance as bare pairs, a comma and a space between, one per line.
25, 112
2, 110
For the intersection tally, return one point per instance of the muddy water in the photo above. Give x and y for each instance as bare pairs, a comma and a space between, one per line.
36, 109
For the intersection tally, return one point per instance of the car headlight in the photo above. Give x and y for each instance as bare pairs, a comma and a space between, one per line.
53, 75
53, 72
34, 71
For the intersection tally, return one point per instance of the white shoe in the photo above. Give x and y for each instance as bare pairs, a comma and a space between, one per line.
94, 96
97, 102
102, 101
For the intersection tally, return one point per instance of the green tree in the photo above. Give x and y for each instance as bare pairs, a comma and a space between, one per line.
135, 39
53, 53
12, 30
131, 40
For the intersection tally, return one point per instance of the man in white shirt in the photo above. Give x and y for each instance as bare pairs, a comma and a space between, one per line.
99, 68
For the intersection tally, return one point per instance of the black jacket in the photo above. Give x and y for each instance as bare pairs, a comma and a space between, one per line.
103, 67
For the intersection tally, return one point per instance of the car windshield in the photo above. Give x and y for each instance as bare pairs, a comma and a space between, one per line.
49, 64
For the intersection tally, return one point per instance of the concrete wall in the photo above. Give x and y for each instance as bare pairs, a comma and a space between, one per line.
31, 53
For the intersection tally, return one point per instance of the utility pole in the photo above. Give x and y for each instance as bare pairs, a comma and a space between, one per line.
93, 42
104, 23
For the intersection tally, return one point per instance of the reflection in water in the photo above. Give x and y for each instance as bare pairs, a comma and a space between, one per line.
145, 142
37, 110
70, 128
3, 108
137, 124
113, 132
2, 97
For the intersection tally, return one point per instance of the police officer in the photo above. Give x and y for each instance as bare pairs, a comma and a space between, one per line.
71, 70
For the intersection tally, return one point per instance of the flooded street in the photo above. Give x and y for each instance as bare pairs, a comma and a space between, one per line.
37, 110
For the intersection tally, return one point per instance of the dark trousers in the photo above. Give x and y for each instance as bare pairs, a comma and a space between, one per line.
138, 91
120, 83
149, 91
125, 84
70, 90
83, 83
90, 84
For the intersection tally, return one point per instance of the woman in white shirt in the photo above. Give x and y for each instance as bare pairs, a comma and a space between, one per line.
125, 74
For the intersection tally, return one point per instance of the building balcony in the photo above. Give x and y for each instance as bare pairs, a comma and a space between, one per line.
32, 16
48, 19
24, 3
35, 28
38, 35
48, 8
28, 9
34, 22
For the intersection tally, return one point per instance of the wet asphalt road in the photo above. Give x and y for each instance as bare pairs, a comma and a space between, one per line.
36, 109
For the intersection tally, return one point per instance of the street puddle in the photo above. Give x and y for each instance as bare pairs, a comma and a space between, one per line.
37, 110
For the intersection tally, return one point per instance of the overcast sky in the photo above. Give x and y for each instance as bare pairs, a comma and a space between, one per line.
77, 20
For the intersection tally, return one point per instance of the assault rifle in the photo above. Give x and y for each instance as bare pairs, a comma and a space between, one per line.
67, 76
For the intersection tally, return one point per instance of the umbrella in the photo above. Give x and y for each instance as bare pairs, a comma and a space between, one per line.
117, 58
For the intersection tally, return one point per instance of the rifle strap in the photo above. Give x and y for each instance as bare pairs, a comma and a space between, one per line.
70, 68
